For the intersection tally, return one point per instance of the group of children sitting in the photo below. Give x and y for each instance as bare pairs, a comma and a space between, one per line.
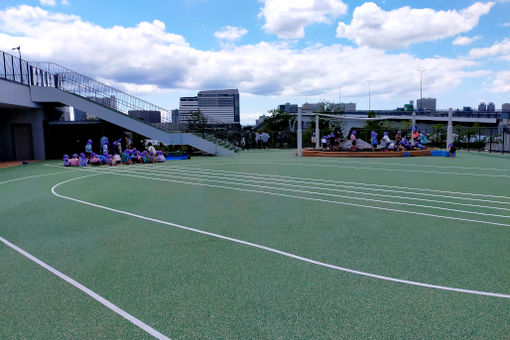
128, 156
398, 144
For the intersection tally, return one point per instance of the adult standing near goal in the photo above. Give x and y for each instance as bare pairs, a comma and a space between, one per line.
265, 140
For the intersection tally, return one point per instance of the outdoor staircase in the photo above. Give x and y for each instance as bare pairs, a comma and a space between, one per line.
53, 83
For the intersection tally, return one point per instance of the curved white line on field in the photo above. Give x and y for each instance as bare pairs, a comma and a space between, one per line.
33, 176
116, 173
276, 251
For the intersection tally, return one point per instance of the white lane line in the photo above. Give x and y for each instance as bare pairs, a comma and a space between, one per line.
191, 177
276, 251
369, 168
89, 292
316, 186
414, 165
33, 176
360, 185
301, 197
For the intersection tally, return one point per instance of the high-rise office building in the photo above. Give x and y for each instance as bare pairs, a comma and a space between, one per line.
426, 104
505, 107
288, 108
187, 105
482, 107
491, 107
220, 105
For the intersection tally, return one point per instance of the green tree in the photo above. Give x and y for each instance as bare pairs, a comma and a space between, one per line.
373, 124
197, 122
279, 121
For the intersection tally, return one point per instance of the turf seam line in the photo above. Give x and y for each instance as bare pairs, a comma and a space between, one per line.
276, 251
299, 197
282, 182
89, 292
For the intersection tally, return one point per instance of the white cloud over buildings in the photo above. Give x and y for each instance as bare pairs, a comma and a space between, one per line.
374, 27
145, 58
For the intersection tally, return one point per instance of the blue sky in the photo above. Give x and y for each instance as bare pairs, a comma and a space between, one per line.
275, 51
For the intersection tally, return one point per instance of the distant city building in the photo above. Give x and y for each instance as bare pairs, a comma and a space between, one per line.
187, 105
175, 118
66, 113
288, 108
221, 105
482, 107
260, 120
426, 104
505, 107
109, 102
146, 115
347, 107
491, 107
311, 108
467, 109
79, 115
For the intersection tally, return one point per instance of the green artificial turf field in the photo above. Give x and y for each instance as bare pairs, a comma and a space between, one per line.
264, 245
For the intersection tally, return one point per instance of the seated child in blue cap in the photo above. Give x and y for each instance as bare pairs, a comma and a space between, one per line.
83, 159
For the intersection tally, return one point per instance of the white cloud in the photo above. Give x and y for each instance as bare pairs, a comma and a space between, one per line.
506, 24
288, 18
498, 49
48, 2
230, 33
374, 27
146, 59
461, 40
502, 83
64, 2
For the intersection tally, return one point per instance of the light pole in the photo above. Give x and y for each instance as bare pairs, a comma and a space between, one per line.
421, 70
369, 93
20, 62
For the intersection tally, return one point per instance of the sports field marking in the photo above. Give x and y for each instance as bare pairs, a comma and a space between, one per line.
276, 251
296, 197
335, 166
279, 181
367, 162
89, 292
421, 165
361, 185
244, 183
33, 176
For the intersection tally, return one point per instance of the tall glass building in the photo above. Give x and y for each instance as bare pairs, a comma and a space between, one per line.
222, 105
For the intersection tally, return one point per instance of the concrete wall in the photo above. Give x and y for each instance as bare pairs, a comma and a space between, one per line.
35, 118
15, 94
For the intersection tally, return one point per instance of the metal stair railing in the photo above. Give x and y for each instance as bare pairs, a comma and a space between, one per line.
120, 101
14, 69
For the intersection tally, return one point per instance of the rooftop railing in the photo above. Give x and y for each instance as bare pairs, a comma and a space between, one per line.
50, 74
